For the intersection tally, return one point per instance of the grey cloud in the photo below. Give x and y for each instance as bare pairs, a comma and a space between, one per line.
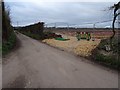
74, 13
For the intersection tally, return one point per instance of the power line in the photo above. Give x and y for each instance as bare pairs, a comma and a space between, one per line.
69, 24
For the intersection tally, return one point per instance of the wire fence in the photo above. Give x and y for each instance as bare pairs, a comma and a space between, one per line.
105, 24
92, 25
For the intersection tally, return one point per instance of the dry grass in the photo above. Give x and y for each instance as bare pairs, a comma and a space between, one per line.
85, 47
82, 47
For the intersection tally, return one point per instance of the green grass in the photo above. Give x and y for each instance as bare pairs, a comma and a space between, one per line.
110, 60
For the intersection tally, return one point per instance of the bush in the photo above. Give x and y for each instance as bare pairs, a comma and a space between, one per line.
8, 45
8, 36
115, 43
45, 35
110, 60
51, 35
102, 44
34, 36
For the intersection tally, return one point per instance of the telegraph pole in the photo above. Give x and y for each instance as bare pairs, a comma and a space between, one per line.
17, 23
68, 30
94, 25
55, 25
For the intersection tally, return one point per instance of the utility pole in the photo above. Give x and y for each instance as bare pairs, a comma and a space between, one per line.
94, 25
55, 25
17, 23
67, 26
46, 25
68, 30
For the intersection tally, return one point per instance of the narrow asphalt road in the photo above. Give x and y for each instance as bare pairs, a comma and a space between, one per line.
36, 65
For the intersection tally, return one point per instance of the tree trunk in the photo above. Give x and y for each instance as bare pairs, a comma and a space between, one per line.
4, 27
113, 29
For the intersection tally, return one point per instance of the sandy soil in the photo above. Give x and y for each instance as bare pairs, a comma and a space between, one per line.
36, 65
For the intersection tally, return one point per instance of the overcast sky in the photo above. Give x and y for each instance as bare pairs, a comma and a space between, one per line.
79, 13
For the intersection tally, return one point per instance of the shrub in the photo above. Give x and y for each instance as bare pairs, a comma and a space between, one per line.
44, 35
8, 36
34, 36
8, 45
110, 60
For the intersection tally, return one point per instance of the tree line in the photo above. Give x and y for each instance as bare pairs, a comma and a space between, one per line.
36, 28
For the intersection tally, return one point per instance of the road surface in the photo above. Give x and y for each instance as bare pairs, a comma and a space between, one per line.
36, 65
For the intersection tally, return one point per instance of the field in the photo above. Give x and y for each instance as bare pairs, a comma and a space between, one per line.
82, 47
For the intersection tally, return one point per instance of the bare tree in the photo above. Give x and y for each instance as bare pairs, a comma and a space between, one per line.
116, 7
